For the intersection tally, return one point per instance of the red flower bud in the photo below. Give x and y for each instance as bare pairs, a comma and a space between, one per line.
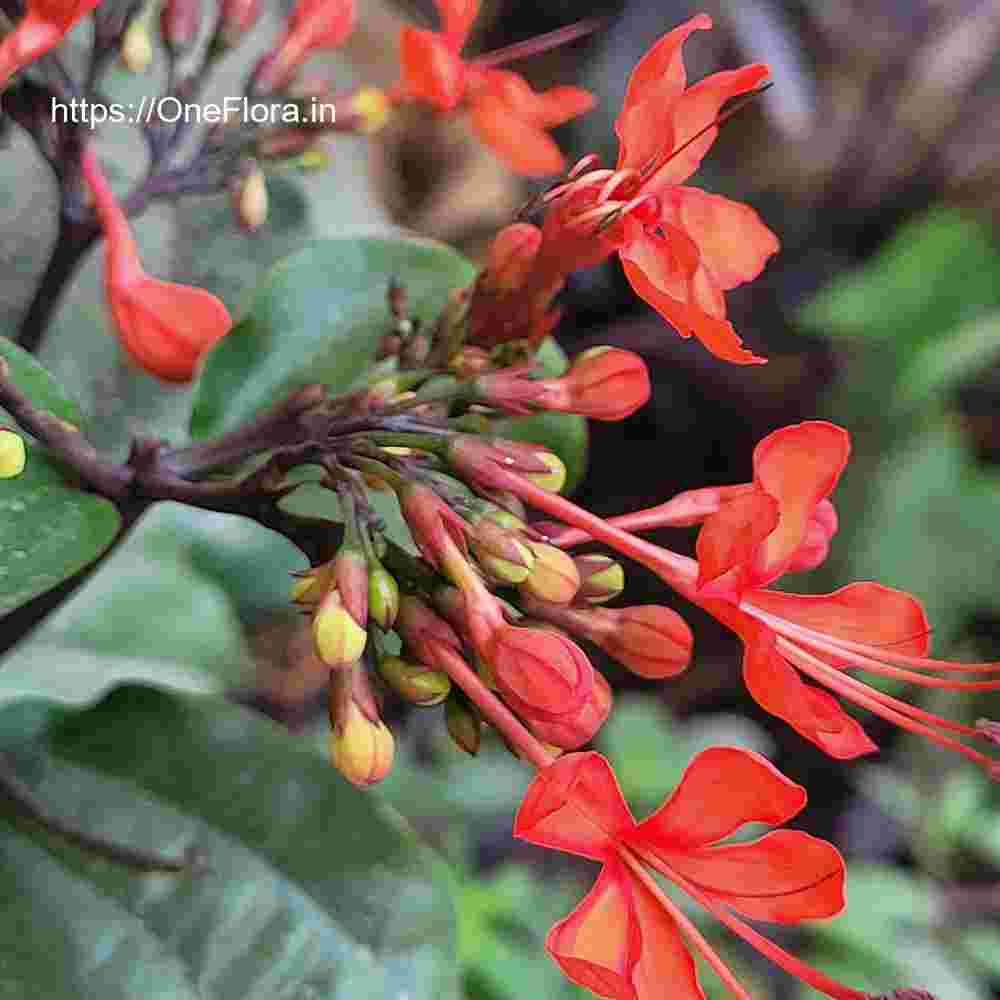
236, 19
574, 732
438, 531
601, 578
422, 630
650, 640
179, 23
509, 260
604, 383
542, 675
165, 327
487, 462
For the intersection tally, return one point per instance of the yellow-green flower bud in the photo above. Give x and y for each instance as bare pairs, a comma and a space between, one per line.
339, 639
601, 578
12, 454
463, 724
414, 682
554, 576
383, 596
555, 478
502, 555
361, 749
137, 48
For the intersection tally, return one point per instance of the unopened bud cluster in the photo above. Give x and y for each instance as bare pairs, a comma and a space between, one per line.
481, 593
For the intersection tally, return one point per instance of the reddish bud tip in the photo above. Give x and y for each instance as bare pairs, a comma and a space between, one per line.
601, 578
582, 727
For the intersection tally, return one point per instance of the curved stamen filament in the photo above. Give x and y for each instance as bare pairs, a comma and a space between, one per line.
881, 705
615, 181
588, 162
590, 179
848, 647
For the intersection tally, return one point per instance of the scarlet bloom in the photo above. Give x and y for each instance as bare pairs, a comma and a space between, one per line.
681, 248
164, 327
509, 117
824, 637
43, 26
313, 25
627, 939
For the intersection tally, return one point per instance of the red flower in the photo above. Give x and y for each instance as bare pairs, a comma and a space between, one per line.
505, 112
681, 247
43, 26
164, 327
863, 626
757, 531
626, 939
312, 25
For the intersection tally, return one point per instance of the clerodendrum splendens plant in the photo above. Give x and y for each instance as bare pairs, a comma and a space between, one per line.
487, 604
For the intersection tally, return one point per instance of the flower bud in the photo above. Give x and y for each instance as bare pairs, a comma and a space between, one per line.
12, 453
421, 630
463, 723
574, 732
553, 577
372, 107
339, 639
136, 48
415, 682
383, 596
350, 576
438, 531
179, 23
605, 383
502, 555
542, 675
601, 578
248, 195
553, 480
510, 259
237, 17
489, 462
650, 640
361, 749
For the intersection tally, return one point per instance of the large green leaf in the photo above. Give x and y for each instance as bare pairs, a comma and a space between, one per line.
317, 318
564, 433
37, 384
311, 890
49, 530
165, 609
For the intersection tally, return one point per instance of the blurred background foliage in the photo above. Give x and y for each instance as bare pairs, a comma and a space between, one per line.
876, 159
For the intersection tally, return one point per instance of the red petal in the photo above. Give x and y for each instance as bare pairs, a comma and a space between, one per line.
695, 109
798, 465
599, 943
456, 19
717, 335
732, 241
815, 546
431, 70
324, 23
547, 109
574, 805
525, 147
721, 789
731, 535
862, 612
785, 876
664, 957
167, 327
776, 686
658, 79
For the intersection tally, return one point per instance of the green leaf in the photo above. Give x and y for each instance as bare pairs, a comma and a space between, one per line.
930, 491
37, 384
165, 609
937, 272
310, 888
49, 530
945, 362
317, 318
563, 433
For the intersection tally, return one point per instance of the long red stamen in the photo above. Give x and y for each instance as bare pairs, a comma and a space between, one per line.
540, 43
879, 704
